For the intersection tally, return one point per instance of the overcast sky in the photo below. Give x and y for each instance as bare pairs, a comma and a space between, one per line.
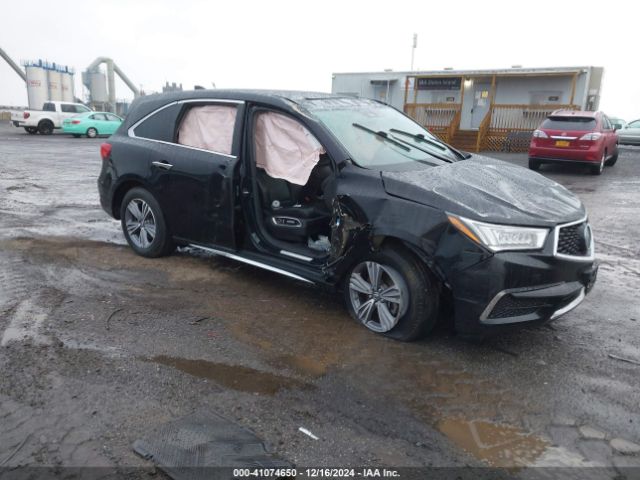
297, 44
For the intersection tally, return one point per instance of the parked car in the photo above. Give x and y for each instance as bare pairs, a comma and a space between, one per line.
92, 124
352, 194
617, 123
630, 134
576, 137
49, 118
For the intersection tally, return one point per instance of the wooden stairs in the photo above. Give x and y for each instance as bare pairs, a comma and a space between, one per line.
465, 140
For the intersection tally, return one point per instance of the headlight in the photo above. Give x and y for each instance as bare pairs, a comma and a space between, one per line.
501, 237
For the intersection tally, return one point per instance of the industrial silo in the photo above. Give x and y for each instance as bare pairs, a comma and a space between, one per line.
68, 94
98, 87
55, 83
37, 84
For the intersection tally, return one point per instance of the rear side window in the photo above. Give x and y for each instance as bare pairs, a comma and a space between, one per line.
569, 123
98, 116
68, 108
209, 127
160, 125
49, 107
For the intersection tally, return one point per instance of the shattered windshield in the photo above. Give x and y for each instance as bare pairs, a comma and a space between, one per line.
378, 136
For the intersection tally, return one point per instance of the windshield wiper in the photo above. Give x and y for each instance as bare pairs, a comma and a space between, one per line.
421, 138
434, 155
382, 135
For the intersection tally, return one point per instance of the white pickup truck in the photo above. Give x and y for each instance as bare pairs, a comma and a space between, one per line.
50, 117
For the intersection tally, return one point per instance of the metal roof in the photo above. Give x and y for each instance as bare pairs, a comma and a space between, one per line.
482, 72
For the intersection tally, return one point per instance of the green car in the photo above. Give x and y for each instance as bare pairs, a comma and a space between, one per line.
91, 124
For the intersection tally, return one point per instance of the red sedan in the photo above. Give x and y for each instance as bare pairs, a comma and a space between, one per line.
568, 136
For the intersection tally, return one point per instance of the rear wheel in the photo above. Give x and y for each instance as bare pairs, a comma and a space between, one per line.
597, 169
45, 127
612, 161
392, 293
92, 133
534, 164
31, 130
143, 224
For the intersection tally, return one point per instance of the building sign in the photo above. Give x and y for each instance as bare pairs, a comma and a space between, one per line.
438, 83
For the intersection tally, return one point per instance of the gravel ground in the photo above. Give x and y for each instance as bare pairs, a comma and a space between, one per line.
98, 345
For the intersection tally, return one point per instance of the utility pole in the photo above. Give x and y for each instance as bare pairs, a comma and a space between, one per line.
413, 49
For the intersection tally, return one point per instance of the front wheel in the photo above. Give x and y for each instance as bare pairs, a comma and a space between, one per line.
92, 133
392, 293
143, 224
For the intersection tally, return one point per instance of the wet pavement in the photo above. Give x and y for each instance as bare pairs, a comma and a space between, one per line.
98, 345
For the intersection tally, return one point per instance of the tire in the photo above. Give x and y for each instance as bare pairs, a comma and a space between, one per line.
31, 130
92, 132
410, 313
597, 169
612, 161
534, 164
140, 210
45, 127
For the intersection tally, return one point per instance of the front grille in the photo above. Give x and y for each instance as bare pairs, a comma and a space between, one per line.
509, 306
574, 240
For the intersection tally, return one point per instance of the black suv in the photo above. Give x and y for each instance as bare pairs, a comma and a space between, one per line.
350, 193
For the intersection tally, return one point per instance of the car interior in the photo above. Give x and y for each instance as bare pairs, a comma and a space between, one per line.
296, 216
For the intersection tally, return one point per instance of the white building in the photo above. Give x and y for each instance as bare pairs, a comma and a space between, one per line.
479, 109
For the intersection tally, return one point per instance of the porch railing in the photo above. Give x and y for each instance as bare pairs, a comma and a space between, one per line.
510, 118
483, 129
438, 118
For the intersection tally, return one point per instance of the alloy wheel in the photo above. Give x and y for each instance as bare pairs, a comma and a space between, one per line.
92, 133
140, 223
379, 296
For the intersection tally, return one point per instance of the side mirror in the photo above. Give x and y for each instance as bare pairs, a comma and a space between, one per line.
616, 127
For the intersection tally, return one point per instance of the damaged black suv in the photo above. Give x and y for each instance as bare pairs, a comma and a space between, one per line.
353, 194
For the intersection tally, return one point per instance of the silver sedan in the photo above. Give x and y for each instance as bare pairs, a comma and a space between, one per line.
630, 134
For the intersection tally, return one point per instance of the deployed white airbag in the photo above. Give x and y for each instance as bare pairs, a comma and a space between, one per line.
285, 148
208, 127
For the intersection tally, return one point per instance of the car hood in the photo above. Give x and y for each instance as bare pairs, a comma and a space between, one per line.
490, 190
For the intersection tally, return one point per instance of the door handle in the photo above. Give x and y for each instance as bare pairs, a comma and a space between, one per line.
163, 164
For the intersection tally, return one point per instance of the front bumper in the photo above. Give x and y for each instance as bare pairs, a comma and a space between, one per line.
510, 289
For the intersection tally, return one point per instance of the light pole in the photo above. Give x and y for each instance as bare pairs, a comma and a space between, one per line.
413, 48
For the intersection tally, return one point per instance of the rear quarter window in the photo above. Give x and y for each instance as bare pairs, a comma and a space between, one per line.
160, 125
569, 123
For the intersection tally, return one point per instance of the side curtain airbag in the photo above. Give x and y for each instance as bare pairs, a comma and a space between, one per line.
208, 127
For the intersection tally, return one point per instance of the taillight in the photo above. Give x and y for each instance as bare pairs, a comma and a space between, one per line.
539, 134
75, 122
105, 150
593, 136
26, 115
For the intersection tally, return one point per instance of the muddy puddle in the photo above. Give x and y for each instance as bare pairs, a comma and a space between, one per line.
235, 377
495, 444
